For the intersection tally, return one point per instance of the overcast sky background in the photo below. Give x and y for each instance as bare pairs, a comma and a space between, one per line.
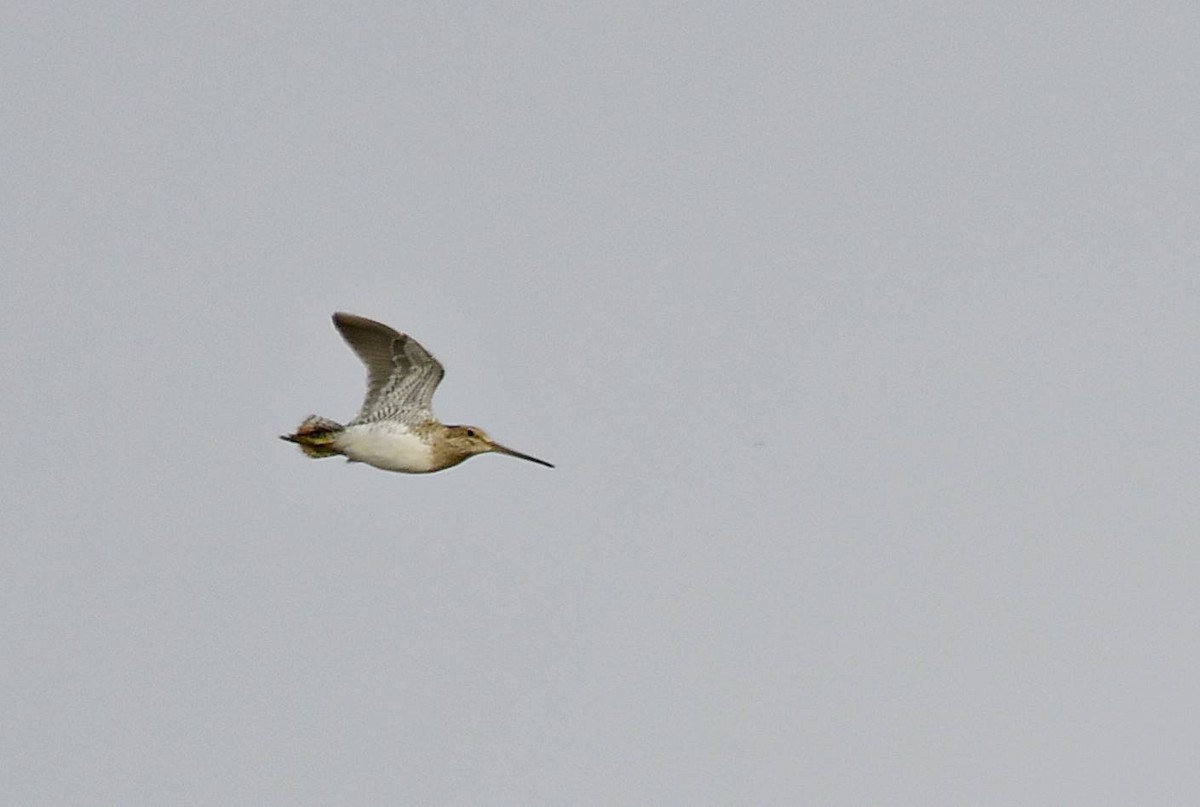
864, 335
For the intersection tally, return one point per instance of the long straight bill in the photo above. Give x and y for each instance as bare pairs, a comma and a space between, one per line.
505, 450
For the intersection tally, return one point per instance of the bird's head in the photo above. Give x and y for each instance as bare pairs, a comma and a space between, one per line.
467, 441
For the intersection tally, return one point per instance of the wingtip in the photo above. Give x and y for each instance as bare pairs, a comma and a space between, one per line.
343, 321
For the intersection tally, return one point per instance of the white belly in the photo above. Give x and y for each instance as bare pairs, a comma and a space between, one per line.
387, 445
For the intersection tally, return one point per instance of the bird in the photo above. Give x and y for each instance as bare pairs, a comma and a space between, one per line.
395, 430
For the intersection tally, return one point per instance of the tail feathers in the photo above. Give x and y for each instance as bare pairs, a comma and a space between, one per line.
316, 436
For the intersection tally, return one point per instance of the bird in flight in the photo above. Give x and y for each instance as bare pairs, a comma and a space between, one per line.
395, 429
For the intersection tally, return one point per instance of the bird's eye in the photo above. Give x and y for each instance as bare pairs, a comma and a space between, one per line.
470, 432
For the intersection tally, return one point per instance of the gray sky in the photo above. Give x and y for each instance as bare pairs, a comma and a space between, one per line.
865, 337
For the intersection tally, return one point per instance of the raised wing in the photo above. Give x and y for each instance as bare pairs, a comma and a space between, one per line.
401, 375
